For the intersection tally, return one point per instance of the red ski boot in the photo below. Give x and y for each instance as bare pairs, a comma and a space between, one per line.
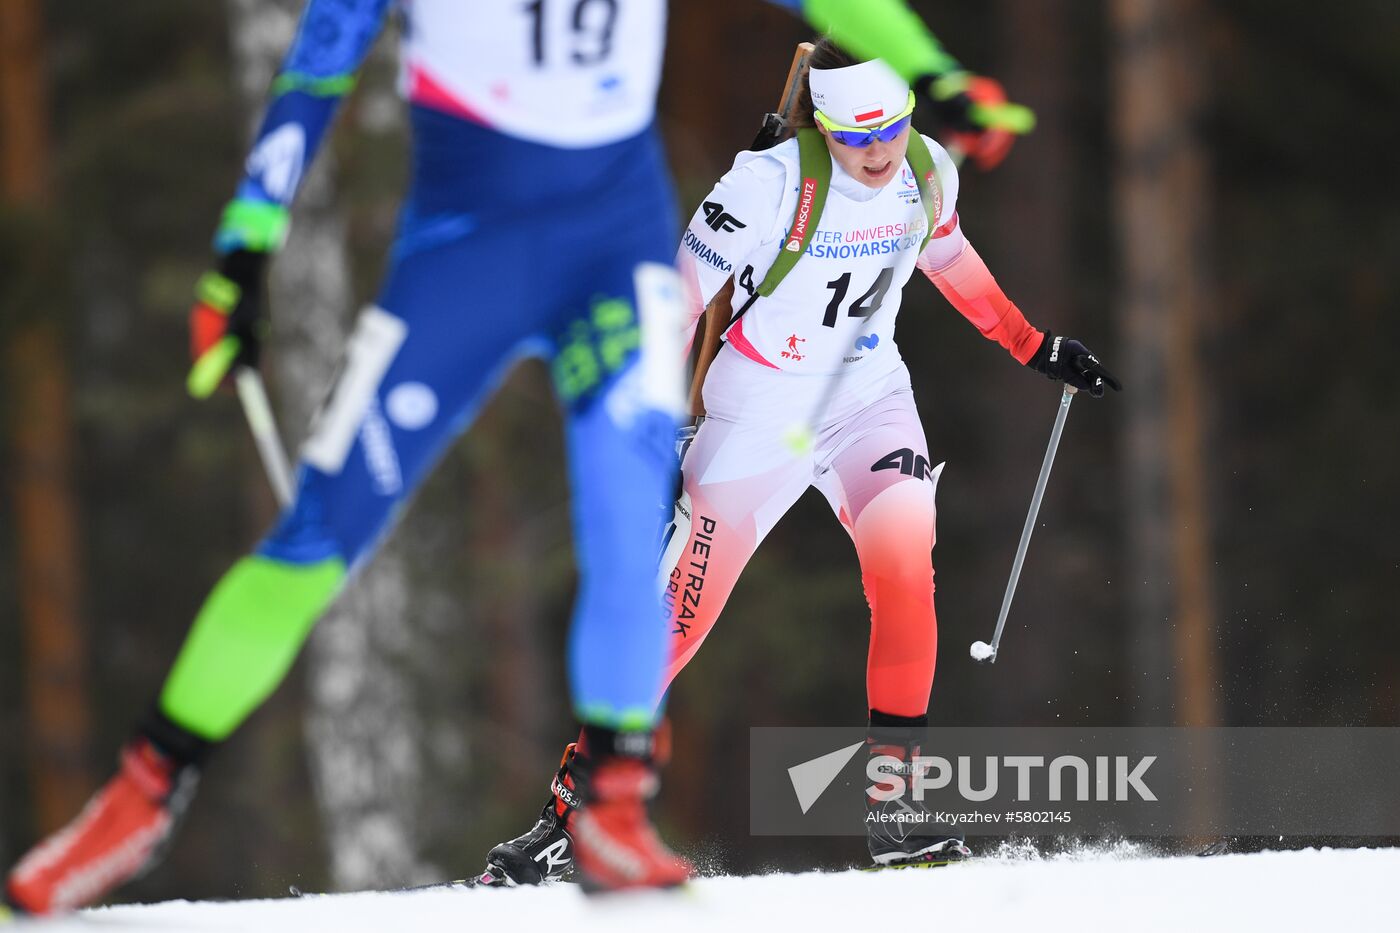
616, 847
118, 836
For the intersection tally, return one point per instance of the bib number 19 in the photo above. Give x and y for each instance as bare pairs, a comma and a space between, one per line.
590, 32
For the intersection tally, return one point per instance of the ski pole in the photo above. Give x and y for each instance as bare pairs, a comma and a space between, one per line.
253, 394
981, 651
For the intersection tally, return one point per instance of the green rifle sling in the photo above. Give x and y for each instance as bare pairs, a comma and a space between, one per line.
815, 166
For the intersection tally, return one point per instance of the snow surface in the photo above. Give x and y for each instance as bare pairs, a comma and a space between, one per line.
1088, 891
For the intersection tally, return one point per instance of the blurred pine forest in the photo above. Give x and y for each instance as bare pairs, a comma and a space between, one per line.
1217, 543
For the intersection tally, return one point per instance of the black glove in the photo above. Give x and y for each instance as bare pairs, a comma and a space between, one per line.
228, 321
1066, 360
951, 104
974, 116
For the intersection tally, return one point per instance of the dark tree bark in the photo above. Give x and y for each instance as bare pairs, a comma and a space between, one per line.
1022, 217
37, 391
1162, 208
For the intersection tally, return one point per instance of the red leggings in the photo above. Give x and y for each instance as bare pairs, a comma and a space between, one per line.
871, 462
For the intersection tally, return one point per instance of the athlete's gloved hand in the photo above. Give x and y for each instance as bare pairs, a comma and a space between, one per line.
976, 117
228, 320
1066, 360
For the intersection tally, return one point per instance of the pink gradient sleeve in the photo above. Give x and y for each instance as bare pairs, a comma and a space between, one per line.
958, 271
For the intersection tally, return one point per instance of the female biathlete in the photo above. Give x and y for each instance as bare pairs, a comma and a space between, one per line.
810, 389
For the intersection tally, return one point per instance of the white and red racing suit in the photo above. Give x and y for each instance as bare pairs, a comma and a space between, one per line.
832, 317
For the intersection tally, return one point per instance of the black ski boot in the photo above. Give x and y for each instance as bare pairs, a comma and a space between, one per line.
901, 831
546, 852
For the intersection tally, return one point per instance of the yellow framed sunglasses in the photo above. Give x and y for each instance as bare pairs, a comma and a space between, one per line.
862, 136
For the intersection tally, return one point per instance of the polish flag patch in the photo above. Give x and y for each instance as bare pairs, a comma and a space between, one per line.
869, 112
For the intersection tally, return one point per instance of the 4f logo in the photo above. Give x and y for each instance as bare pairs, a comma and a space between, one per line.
905, 461
720, 220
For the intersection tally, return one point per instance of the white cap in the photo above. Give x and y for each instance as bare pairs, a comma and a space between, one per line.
859, 95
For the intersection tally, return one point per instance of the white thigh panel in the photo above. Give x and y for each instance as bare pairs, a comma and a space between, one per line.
375, 342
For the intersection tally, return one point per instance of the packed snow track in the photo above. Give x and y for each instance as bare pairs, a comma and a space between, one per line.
1089, 891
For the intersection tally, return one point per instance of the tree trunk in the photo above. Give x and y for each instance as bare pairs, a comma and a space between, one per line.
1031, 247
37, 389
366, 751
1036, 52
1161, 206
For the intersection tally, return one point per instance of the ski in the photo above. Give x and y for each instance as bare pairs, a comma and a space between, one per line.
935, 859
484, 880
931, 863
487, 879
